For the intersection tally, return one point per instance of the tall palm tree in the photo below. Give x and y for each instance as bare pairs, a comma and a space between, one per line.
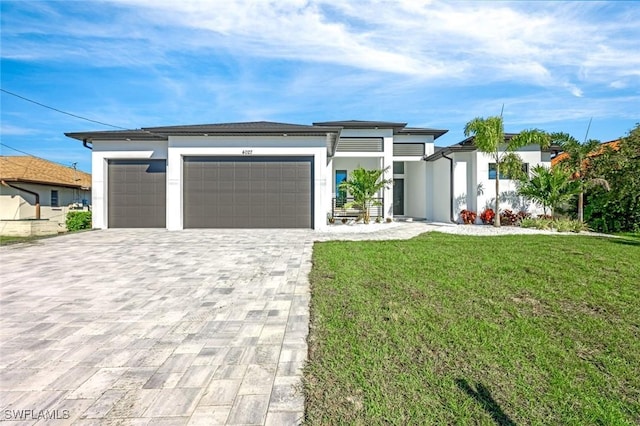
489, 138
575, 162
364, 185
548, 187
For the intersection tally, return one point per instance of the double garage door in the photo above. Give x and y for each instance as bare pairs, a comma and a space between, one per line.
219, 192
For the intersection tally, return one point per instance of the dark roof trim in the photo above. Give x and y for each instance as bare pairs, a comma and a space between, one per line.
362, 124
256, 128
440, 152
128, 135
436, 133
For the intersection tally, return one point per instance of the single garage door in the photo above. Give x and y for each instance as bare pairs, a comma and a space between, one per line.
248, 192
137, 193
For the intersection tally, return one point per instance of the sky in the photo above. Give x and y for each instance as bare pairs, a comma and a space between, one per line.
556, 66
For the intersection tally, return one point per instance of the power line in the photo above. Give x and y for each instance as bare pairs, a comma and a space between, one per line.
22, 152
60, 111
31, 155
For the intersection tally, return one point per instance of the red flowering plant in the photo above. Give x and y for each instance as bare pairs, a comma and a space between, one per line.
487, 216
468, 216
508, 217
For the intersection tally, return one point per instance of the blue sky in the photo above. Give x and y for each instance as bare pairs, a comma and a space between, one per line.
143, 63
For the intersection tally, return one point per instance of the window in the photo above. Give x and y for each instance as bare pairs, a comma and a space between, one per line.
341, 195
54, 198
492, 171
398, 167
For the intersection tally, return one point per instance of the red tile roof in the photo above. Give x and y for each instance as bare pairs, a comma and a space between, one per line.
560, 157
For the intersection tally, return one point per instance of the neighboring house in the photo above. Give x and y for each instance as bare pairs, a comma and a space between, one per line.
615, 145
275, 175
28, 180
461, 177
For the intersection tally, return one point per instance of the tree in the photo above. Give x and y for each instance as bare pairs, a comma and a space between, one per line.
575, 162
619, 208
489, 138
548, 187
364, 185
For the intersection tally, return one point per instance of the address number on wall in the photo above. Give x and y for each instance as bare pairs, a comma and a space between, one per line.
247, 152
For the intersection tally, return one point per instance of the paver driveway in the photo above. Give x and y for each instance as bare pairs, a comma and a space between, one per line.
155, 327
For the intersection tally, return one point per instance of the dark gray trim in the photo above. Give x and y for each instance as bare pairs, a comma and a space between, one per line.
408, 149
436, 133
255, 128
440, 152
361, 124
360, 144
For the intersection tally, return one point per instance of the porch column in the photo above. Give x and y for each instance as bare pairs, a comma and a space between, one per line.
387, 161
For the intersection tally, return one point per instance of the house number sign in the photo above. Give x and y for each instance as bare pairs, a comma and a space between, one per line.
247, 152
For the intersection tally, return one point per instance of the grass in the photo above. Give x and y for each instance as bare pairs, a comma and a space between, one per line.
447, 329
13, 240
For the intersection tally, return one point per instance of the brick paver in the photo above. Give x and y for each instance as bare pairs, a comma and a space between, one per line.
150, 327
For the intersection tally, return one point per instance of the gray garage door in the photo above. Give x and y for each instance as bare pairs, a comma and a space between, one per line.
248, 192
137, 193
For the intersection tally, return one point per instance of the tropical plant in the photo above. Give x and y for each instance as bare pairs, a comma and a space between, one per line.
364, 185
489, 138
575, 162
548, 187
487, 216
508, 217
468, 216
618, 209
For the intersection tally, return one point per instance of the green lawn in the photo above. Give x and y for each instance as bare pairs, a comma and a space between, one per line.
447, 329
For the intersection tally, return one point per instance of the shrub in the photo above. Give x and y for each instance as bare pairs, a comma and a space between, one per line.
577, 226
528, 223
523, 215
77, 220
508, 217
468, 216
562, 225
487, 216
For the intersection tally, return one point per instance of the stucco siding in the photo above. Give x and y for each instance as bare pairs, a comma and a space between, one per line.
415, 196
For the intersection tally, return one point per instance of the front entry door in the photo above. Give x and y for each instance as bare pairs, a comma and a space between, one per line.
398, 197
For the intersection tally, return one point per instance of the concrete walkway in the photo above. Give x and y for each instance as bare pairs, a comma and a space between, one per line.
152, 327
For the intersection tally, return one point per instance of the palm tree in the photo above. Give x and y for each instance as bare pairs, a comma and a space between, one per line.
575, 163
364, 185
489, 138
548, 187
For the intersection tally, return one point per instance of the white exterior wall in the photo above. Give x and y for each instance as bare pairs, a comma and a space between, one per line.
415, 191
460, 187
15, 204
508, 188
438, 199
102, 152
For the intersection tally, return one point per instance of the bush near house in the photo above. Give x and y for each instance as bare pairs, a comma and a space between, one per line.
468, 216
487, 216
77, 221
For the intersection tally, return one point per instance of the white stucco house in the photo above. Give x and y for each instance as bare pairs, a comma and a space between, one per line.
470, 177
275, 175
32, 189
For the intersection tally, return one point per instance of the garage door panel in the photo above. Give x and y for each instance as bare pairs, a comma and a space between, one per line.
136, 192
254, 192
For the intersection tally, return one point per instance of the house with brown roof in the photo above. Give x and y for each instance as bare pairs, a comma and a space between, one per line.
615, 145
32, 187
